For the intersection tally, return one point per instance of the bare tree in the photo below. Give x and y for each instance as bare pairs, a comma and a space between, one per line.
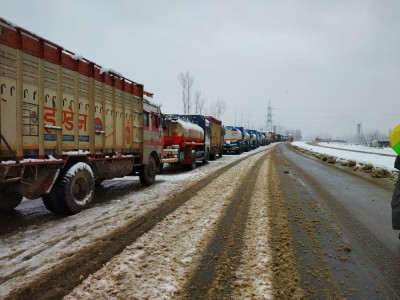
199, 102
217, 108
374, 134
186, 82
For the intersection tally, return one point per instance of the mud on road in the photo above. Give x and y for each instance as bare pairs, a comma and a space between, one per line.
257, 228
223, 215
340, 225
216, 245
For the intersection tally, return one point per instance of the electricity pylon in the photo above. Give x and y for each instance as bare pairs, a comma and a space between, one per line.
269, 125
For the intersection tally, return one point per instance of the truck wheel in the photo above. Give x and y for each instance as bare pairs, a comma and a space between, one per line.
160, 169
148, 175
193, 160
72, 192
206, 158
9, 201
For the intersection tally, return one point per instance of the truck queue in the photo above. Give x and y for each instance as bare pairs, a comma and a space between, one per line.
67, 124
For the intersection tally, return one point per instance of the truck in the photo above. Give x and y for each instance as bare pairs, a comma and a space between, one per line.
263, 139
67, 124
216, 138
254, 138
272, 137
186, 139
233, 140
245, 139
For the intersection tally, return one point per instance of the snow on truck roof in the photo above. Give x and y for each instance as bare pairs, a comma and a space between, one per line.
151, 102
184, 123
188, 125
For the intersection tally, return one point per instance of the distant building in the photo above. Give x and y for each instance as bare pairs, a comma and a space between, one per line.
379, 144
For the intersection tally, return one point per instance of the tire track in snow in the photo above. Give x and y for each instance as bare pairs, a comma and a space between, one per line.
159, 263
90, 257
216, 272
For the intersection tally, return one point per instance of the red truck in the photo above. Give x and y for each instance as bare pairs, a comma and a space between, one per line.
186, 140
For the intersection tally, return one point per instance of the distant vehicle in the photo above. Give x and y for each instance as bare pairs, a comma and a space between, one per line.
380, 144
263, 139
245, 139
233, 140
254, 138
217, 138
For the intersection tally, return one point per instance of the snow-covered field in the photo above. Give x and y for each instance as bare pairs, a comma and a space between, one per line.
379, 157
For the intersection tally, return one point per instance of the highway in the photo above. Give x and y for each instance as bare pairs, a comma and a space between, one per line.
341, 228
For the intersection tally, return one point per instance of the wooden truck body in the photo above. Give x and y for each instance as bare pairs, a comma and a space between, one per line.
67, 123
217, 137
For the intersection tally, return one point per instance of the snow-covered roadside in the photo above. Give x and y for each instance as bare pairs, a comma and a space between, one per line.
360, 148
157, 265
386, 162
39, 249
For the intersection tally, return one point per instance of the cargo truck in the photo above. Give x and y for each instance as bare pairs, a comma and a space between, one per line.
245, 139
216, 138
66, 124
233, 140
263, 139
186, 140
254, 139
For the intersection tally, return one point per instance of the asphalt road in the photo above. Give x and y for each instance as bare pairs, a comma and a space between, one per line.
285, 225
341, 229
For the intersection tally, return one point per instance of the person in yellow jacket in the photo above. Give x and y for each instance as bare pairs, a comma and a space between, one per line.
396, 200
395, 144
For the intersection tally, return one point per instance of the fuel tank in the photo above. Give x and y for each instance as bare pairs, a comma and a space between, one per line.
177, 131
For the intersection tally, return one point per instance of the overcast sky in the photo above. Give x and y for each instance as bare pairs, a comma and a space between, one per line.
324, 65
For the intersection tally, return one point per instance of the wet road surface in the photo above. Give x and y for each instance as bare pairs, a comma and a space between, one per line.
341, 229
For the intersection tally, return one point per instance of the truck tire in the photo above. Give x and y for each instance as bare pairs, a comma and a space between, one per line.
206, 158
9, 201
161, 167
193, 160
148, 175
73, 190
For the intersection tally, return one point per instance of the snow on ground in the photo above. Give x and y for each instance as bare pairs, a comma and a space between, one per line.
359, 148
159, 262
252, 276
361, 156
38, 249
